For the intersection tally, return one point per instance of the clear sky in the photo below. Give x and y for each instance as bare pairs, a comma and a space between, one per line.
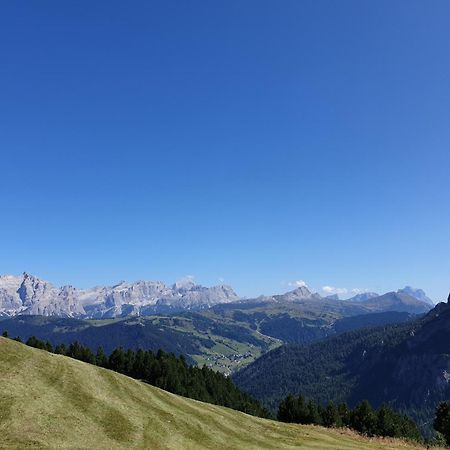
255, 142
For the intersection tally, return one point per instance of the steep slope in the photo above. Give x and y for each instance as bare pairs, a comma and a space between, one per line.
406, 365
331, 369
51, 401
28, 294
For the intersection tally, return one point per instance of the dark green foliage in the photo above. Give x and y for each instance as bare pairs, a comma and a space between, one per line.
294, 330
396, 364
100, 358
335, 369
392, 424
5, 334
292, 409
363, 418
344, 413
233, 321
129, 333
331, 417
442, 420
372, 320
60, 349
37, 343
78, 351
166, 371
315, 413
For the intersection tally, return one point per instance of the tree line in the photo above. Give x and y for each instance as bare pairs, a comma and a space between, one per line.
363, 418
164, 370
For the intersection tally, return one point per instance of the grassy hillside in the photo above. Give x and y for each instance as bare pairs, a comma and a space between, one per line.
51, 401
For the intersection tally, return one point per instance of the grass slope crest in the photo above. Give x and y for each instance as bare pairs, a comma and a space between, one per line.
51, 401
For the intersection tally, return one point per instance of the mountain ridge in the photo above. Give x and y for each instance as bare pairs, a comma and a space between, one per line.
30, 295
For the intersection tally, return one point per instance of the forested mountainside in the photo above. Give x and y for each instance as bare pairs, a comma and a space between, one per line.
224, 341
406, 365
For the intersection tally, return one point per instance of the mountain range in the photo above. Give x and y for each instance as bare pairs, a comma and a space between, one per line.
30, 295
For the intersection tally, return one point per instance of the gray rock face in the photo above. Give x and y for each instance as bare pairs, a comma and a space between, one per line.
9, 299
363, 297
418, 294
28, 294
299, 294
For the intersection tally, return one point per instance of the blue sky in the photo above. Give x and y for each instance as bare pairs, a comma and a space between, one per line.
255, 142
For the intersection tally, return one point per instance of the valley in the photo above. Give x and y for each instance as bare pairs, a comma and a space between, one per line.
224, 337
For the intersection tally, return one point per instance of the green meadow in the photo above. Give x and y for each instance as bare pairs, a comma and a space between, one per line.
50, 401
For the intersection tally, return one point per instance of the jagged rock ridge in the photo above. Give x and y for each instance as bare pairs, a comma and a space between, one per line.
27, 294
30, 295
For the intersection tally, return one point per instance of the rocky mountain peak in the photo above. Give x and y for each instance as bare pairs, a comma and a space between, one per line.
28, 294
363, 296
418, 294
298, 294
185, 284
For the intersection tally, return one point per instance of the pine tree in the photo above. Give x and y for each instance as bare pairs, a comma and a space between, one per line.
100, 358
60, 349
314, 416
331, 417
287, 410
442, 420
364, 419
344, 413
